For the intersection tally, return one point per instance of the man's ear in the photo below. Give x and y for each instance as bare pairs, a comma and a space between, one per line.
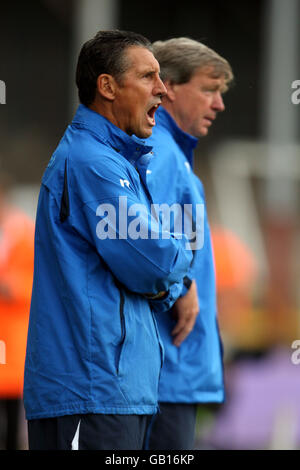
106, 86
171, 90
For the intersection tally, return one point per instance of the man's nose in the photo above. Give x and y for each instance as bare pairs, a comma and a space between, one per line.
218, 103
159, 88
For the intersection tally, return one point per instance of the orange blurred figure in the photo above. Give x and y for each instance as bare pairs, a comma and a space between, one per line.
236, 272
235, 264
16, 274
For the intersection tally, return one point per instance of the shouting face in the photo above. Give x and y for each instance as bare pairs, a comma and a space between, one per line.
139, 93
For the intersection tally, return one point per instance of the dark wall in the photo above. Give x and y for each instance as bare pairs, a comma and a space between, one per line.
35, 57
230, 27
34, 44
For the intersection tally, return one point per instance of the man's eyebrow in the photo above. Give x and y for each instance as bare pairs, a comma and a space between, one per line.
217, 85
212, 86
143, 72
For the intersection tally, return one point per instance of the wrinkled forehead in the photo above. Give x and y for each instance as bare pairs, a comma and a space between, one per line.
140, 58
214, 75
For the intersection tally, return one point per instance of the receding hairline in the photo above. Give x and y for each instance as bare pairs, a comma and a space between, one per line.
127, 60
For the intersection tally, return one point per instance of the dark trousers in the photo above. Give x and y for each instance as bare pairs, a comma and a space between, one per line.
88, 432
10, 420
173, 428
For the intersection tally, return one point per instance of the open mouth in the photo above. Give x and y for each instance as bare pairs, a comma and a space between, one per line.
151, 113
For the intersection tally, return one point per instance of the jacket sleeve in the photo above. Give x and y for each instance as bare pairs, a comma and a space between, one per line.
167, 302
196, 216
127, 237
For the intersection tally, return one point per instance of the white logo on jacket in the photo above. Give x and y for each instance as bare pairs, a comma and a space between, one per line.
124, 183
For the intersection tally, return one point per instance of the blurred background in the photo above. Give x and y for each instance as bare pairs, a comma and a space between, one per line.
249, 164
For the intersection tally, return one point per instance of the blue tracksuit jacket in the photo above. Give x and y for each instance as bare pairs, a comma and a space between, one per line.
192, 373
93, 344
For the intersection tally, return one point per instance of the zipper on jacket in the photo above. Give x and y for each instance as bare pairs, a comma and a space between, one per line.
144, 185
122, 322
159, 342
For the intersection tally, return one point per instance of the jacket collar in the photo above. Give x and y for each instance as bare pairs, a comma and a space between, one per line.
109, 134
186, 142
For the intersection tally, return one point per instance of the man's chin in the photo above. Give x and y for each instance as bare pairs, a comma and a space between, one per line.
203, 132
144, 133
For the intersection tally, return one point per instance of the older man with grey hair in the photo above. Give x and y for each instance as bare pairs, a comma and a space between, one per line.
195, 77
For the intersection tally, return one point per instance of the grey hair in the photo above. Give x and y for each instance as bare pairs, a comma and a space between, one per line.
179, 58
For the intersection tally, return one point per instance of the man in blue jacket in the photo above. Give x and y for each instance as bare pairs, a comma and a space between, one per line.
93, 353
195, 77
